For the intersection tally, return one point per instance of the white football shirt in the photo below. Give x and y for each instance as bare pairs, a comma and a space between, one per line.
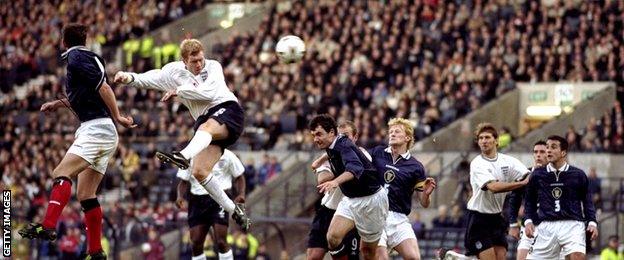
197, 92
503, 168
228, 167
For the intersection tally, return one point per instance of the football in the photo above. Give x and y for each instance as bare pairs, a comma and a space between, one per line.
290, 49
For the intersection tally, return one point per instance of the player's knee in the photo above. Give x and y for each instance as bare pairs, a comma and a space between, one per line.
312, 254
200, 174
84, 194
411, 256
382, 253
368, 252
333, 240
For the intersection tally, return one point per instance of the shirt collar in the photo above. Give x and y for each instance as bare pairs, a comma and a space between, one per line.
78, 47
331, 146
551, 168
405, 155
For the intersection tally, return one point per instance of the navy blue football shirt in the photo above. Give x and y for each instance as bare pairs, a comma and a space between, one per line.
401, 177
345, 156
85, 76
562, 194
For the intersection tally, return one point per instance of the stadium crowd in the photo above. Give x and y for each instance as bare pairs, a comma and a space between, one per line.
362, 64
30, 33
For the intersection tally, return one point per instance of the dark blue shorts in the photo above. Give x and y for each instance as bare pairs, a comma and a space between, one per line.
318, 233
203, 210
231, 115
485, 231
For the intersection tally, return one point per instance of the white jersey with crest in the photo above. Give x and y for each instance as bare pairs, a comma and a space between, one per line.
228, 168
332, 198
483, 170
197, 92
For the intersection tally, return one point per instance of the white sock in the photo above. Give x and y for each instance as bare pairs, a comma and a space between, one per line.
227, 255
200, 141
218, 194
199, 257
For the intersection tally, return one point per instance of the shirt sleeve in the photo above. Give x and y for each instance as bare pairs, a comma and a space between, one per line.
209, 89
350, 159
515, 201
530, 199
479, 176
588, 204
185, 175
162, 80
324, 167
236, 166
88, 68
519, 170
420, 178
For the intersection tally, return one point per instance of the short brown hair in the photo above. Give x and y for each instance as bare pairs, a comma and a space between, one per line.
74, 34
190, 47
408, 127
349, 124
486, 127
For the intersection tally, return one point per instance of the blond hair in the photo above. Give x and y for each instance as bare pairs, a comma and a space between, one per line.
349, 124
486, 127
408, 127
190, 47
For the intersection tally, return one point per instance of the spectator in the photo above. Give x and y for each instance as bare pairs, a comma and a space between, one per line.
595, 187
250, 176
155, 249
442, 220
417, 225
504, 139
612, 251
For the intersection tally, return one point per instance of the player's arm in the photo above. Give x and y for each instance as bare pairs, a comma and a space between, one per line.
182, 192
108, 96
589, 210
323, 173
54, 105
183, 187
237, 170
530, 205
353, 166
426, 188
498, 186
319, 161
240, 185
515, 202
161, 80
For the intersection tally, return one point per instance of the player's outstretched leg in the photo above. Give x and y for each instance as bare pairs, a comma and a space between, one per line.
175, 158
240, 217
201, 169
201, 140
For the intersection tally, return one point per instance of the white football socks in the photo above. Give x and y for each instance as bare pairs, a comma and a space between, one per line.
200, 141
227, 255
218, 194
199, 257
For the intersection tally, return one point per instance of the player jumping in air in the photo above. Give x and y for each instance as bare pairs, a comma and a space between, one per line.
200, 85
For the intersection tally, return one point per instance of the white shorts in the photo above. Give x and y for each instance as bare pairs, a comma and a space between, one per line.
397, 230
558, 238
96, 142
369, 214
525, 242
